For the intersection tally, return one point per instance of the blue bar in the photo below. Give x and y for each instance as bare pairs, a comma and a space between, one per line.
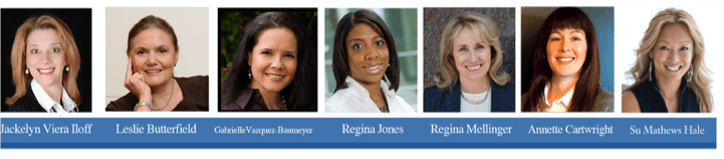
332, 133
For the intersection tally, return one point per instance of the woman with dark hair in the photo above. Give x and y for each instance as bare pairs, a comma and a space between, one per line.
45, 63
364, 52
266, 72
670, 72
469, 80
566, 67
153, 52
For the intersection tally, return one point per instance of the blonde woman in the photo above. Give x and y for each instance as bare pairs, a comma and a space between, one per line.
470, 56
670, 73
45, 63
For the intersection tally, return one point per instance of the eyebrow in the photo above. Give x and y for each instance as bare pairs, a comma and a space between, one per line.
50, 44
360, 39
685, 41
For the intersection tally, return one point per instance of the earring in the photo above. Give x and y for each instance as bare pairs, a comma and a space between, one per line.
250, 73
27, 71
691, 74
651, 64
67, 68
388, 65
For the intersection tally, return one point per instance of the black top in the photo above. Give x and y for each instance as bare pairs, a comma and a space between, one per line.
650, 99
195, 91
249, 100
27, 103
503, 99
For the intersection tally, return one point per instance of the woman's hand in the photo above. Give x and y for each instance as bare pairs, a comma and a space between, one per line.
135, 83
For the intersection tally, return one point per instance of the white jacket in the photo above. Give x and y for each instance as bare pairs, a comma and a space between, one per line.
356, 99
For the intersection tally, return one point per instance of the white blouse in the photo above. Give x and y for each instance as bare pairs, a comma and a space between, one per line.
356, 99
47, 102
484, 107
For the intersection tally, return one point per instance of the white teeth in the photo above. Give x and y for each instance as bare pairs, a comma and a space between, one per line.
565, 59
673, 68
374, 67
153, 71
274, 76
46, 70
473, 68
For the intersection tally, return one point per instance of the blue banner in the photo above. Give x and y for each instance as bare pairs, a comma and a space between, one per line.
358, 133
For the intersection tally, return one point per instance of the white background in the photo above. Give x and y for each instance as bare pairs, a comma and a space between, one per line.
621, 30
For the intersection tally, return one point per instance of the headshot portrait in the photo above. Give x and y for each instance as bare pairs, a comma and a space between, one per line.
370, 60
166, 59
268, 59
567, 59
469, 60
46, 60
668, 70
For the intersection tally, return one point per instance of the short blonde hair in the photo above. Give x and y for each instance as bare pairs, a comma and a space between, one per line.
18, 59
699, 80
487, 31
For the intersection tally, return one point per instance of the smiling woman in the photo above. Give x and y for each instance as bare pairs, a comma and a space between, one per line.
45, 62
267, 70
568, 46
365, 52
153, 52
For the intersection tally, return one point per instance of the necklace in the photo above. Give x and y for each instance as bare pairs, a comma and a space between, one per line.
173, 88
474, 102
383, 108
284, 102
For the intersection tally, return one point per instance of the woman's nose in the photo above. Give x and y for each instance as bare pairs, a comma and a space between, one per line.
276, 62
565, 45
152, 59
372, 53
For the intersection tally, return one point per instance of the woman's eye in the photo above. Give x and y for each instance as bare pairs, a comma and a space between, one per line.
576, 39
55, 50
141, 52
289, 56
266, 52
379, 43
356, 46
462, 49
684, 48
162, 51
479, 47
555, 39
664, 48
34, 51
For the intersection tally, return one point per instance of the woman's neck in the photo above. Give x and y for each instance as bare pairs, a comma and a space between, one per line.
373, 88
161, 94
559, 86
475, 87
55, 91
669, 89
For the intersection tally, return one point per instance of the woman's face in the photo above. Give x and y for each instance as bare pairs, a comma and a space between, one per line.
471, 55
673, 52
367, 54
153, 55
45, 58
566, 51
273, 60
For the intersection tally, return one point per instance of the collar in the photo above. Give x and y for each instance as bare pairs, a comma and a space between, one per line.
383, 85
47, 102
565, 100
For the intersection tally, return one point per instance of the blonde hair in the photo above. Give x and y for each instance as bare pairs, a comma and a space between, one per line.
487, 31
18, 59
699, 80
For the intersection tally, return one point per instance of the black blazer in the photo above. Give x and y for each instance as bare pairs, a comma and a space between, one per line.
503, 99
27, 103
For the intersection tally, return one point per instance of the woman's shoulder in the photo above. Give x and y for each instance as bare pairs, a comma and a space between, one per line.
193, 80
337, 103
125, 103
629, 102
27, 103
604, 100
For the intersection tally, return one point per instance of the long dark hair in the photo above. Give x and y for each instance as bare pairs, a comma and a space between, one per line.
587, 85
301, 94
340, 65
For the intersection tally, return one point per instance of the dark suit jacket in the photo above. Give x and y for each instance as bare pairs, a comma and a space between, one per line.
27, 103
503, 99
